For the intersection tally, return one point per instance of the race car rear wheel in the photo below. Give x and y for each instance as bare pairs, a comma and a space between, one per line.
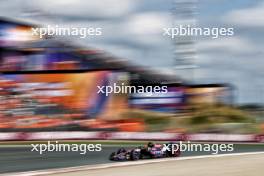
171, 153
176, 153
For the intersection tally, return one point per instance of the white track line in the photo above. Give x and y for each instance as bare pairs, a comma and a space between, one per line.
120, 164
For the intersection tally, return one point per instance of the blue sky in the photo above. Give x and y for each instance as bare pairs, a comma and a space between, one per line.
132, 29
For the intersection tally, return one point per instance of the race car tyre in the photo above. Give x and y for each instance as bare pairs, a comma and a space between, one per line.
176, 153
134, 155
111, 157
170, 153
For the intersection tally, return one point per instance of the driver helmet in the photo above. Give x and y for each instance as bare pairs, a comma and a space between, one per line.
150, 144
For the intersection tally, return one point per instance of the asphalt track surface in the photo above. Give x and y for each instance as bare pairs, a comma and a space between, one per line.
20, 158
234, 165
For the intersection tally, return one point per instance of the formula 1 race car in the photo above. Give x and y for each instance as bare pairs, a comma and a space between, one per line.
144, 152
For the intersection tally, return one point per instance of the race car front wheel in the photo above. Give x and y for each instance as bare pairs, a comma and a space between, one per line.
134, 155
111, 157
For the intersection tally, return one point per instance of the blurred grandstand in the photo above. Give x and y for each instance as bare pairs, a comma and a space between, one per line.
51, 85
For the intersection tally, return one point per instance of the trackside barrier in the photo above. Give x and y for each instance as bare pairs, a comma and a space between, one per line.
159, 136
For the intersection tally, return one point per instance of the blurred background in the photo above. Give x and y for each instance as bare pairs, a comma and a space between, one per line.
50, 84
